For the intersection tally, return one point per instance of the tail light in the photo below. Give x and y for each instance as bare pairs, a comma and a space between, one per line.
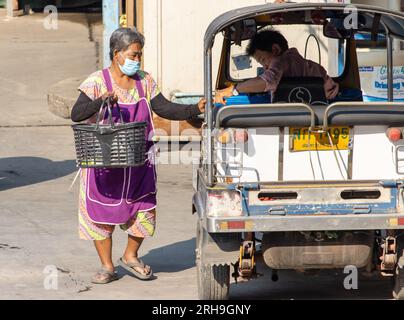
232, 136
241, 136
394, 134
224, 136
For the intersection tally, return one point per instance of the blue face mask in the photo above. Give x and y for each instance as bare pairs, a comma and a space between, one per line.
130, 67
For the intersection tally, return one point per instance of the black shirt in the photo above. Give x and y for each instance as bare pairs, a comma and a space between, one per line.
85, 108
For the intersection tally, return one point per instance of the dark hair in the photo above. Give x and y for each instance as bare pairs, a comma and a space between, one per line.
122, 38
264, 40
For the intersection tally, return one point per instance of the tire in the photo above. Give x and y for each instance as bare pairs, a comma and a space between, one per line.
213, 280
398, 290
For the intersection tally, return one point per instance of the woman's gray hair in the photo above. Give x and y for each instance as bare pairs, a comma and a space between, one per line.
122, 38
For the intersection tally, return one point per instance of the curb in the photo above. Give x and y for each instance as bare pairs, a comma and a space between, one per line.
63, 95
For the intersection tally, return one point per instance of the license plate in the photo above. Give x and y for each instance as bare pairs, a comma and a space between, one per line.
301, 140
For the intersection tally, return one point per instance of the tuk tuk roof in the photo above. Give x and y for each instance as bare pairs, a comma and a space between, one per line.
393, 20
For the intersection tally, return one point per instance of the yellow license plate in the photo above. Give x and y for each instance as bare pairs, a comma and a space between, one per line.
337, 138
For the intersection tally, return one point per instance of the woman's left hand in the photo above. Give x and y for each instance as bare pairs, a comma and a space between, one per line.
201, 105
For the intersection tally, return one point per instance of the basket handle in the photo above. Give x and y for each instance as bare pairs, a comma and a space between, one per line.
99, 114
107, 101
119, 111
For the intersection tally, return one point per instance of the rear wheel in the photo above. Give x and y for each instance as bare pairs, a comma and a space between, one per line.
398, 291
213, 280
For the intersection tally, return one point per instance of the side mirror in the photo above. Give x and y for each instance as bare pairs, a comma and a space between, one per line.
335, 29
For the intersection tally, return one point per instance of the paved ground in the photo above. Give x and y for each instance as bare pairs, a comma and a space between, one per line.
38, 225
38, 221
33, 59
38, 228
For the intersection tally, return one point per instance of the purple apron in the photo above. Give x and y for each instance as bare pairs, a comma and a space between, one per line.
114, 196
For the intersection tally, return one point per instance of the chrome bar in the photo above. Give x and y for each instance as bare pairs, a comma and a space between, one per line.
390, 89
390, 79
284, 106
352, 104
398, 160
208, 114
268, 223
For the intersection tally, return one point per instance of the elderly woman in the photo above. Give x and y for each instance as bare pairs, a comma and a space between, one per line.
123, 196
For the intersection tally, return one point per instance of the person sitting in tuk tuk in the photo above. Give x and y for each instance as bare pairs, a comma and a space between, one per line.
271, 49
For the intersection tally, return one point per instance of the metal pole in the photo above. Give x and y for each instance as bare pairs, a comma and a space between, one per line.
390, 83
110, 17
390, 78
10, 8
160, 44
130, 13
208, 113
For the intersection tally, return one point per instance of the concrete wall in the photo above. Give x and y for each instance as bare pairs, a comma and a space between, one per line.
174, 33
391, 4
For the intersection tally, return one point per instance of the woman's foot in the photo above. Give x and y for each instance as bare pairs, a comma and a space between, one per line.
104, 275
137, 267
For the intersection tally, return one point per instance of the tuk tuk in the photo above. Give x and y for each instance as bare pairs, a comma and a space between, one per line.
318, 183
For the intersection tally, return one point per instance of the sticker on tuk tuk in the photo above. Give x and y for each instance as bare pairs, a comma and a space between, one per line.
301, 139
374, 83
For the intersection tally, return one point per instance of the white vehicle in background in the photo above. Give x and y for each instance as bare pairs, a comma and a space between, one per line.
321, 181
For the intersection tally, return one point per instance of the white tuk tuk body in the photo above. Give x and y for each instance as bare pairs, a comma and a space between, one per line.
323, 182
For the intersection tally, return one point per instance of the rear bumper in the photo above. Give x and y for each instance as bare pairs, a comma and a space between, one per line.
267, 223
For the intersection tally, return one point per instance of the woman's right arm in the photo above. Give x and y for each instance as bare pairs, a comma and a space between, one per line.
174, 111
85, 108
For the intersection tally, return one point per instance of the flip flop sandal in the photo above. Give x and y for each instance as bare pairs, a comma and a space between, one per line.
104, 276
129, 266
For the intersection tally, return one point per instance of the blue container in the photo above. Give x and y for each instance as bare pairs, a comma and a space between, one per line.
348, 95
243, 99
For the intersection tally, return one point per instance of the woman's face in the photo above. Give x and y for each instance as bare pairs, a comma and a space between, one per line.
265, 58
133, 52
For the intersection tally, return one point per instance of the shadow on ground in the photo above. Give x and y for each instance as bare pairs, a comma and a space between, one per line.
175, 257
326, 285
23, 171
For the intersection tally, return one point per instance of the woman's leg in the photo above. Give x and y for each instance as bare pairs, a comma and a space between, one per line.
142, 226
131, 253
100, 234
104, 250
107, 272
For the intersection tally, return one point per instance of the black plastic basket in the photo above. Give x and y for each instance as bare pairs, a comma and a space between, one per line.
113, 145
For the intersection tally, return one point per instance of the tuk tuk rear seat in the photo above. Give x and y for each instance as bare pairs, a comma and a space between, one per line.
300, 115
